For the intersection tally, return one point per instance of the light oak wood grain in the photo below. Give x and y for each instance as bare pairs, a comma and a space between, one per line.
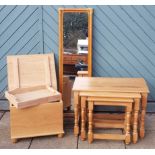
92, 101
27, 97
31, 82
41, 120
110, 99
96, 86
103, 84
88, 11
82, 73
66, 96
31, 70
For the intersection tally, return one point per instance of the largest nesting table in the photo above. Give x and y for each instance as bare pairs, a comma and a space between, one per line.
117, 85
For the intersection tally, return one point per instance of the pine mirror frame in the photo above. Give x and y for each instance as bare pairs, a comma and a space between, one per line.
89, 11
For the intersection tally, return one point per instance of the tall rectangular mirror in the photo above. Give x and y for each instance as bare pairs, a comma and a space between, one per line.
75, 48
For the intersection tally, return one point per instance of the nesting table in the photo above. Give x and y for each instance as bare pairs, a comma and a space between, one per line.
84, 85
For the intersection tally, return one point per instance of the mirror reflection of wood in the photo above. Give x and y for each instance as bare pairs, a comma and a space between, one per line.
75, 42
75, 47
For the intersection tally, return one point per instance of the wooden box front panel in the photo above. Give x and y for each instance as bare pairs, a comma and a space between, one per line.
44, 119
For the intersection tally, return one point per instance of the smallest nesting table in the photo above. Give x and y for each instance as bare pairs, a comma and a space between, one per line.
131, 102
115, 85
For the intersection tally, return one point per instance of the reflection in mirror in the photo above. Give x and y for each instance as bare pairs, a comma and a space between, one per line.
75, 45
75, 48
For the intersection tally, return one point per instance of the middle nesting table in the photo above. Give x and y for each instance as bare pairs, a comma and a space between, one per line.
128, 100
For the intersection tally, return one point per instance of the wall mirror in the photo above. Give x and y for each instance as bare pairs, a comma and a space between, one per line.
75, 47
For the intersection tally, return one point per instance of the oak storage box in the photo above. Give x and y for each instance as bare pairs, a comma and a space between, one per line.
25, 72
44, 119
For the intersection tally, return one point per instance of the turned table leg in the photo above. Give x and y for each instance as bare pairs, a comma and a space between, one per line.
90, 122
143, 112
128, 120
83, 118
76, 113
135, 120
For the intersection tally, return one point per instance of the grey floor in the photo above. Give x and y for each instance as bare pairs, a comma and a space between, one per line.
71, 142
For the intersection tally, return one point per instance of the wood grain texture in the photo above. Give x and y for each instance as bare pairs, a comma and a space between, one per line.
111, 99
135, 119
76, 113
109, 136
109, 116
89, 11
101, 84
103, 123
127, 124
82, 73
41, 120
72, 59
28, 76
107, 123
33, 72
103, 144
111, 95
143, 113
90, 122
67, 90
83, 117
32, 96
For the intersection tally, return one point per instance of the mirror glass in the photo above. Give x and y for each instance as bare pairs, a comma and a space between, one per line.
75, 45
73, 49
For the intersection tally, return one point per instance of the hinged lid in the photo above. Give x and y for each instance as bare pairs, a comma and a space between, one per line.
31, 70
